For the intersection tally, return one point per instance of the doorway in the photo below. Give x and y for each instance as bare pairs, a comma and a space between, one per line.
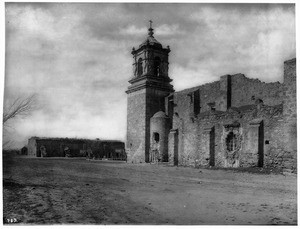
212, 147
261, 145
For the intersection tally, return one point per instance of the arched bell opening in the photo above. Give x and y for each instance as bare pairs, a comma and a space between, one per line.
140, 67
157, 66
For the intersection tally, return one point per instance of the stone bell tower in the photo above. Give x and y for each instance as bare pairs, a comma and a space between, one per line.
148, 88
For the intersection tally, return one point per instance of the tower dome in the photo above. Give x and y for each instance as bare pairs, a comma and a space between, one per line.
150, 40
160, 114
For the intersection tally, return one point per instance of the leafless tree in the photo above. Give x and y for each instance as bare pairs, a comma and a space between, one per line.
21, 107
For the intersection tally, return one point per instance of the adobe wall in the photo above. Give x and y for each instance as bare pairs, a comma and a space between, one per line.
106, 149
55, 147
32, 147
78, 147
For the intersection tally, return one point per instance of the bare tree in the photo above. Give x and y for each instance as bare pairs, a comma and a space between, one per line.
20, 107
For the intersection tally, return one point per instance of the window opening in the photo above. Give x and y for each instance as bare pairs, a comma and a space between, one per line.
231, 142
156, 137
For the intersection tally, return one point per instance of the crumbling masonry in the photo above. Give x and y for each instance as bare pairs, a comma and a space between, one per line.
233, 122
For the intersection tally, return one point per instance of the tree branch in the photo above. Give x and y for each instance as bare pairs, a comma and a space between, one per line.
19, 107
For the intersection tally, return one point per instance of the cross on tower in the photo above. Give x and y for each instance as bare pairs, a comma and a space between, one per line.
150, 29
150, 22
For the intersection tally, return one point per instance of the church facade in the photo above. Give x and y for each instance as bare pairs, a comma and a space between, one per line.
233, 122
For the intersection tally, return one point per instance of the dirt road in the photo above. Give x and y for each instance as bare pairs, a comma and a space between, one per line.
77, 191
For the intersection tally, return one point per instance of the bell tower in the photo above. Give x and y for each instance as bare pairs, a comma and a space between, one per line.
146, 94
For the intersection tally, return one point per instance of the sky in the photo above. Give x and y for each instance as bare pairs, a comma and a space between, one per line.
76, 58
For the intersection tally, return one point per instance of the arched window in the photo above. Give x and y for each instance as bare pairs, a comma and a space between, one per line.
156, 137
157, 69
140, 67
231, 141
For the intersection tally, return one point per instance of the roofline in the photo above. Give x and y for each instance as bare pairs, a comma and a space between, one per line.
290, 61
73, 139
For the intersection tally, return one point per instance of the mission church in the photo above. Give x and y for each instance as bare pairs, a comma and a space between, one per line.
233, 122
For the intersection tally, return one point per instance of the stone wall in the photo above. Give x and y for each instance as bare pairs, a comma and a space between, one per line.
142, 105
155, 102
266, 132
290, 85
231, 91
159, 131
245, 91
233, 122
289, 124
173, 147
208, 93
136, 126
196, 135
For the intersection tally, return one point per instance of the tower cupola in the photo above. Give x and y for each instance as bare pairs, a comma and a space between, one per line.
150, 58
150, 40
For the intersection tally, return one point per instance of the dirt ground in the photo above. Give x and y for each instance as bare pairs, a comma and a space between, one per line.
79, 191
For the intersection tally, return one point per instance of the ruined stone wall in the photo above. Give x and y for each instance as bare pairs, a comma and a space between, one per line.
230, 91
208, 93
245, 91
266, 134
185, 115
290, 85
194, 138
173, 147
278, 156
289, 128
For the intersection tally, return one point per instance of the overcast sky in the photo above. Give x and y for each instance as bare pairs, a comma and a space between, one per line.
76, 57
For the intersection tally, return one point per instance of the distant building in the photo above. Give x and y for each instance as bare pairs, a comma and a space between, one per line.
73, 147
232, 122
24, 150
